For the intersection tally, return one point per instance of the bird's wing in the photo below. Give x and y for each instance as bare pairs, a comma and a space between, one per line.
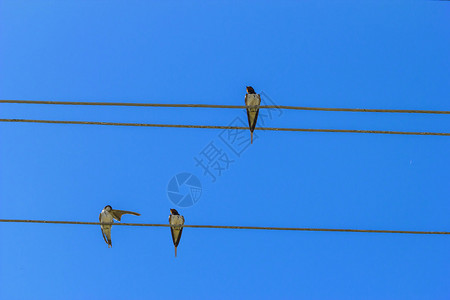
252, 121
252, 103
105, 237
177, 231
117, 214
176, 235
173, 237
250, 125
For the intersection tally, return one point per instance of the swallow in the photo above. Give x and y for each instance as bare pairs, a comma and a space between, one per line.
252, 101
107, 216
176, 222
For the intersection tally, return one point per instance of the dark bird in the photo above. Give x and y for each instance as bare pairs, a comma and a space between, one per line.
107, 216
252, 101
176, 222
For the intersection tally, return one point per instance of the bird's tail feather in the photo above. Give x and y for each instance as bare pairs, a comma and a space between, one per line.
175, 251
251, 137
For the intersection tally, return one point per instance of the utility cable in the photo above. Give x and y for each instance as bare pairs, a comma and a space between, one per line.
416, 111
228, 227
225, 127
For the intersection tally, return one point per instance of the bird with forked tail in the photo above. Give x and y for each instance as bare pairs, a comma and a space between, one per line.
252, 101
176, 222
107, 216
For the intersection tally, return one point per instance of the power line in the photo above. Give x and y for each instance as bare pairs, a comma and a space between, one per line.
228, 227
415, 111
224, 127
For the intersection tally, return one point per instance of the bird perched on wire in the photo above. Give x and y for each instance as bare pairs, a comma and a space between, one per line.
176, 222
252, 101
107, 216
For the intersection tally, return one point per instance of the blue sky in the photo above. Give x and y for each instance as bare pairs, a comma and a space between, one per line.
357, 54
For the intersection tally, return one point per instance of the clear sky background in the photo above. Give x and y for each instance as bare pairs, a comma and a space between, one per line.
356, 54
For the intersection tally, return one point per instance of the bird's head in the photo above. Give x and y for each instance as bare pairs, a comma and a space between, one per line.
173, 211
108, 208
250, 90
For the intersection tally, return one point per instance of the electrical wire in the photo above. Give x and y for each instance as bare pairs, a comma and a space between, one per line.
416, 111
224, 127
228, 227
